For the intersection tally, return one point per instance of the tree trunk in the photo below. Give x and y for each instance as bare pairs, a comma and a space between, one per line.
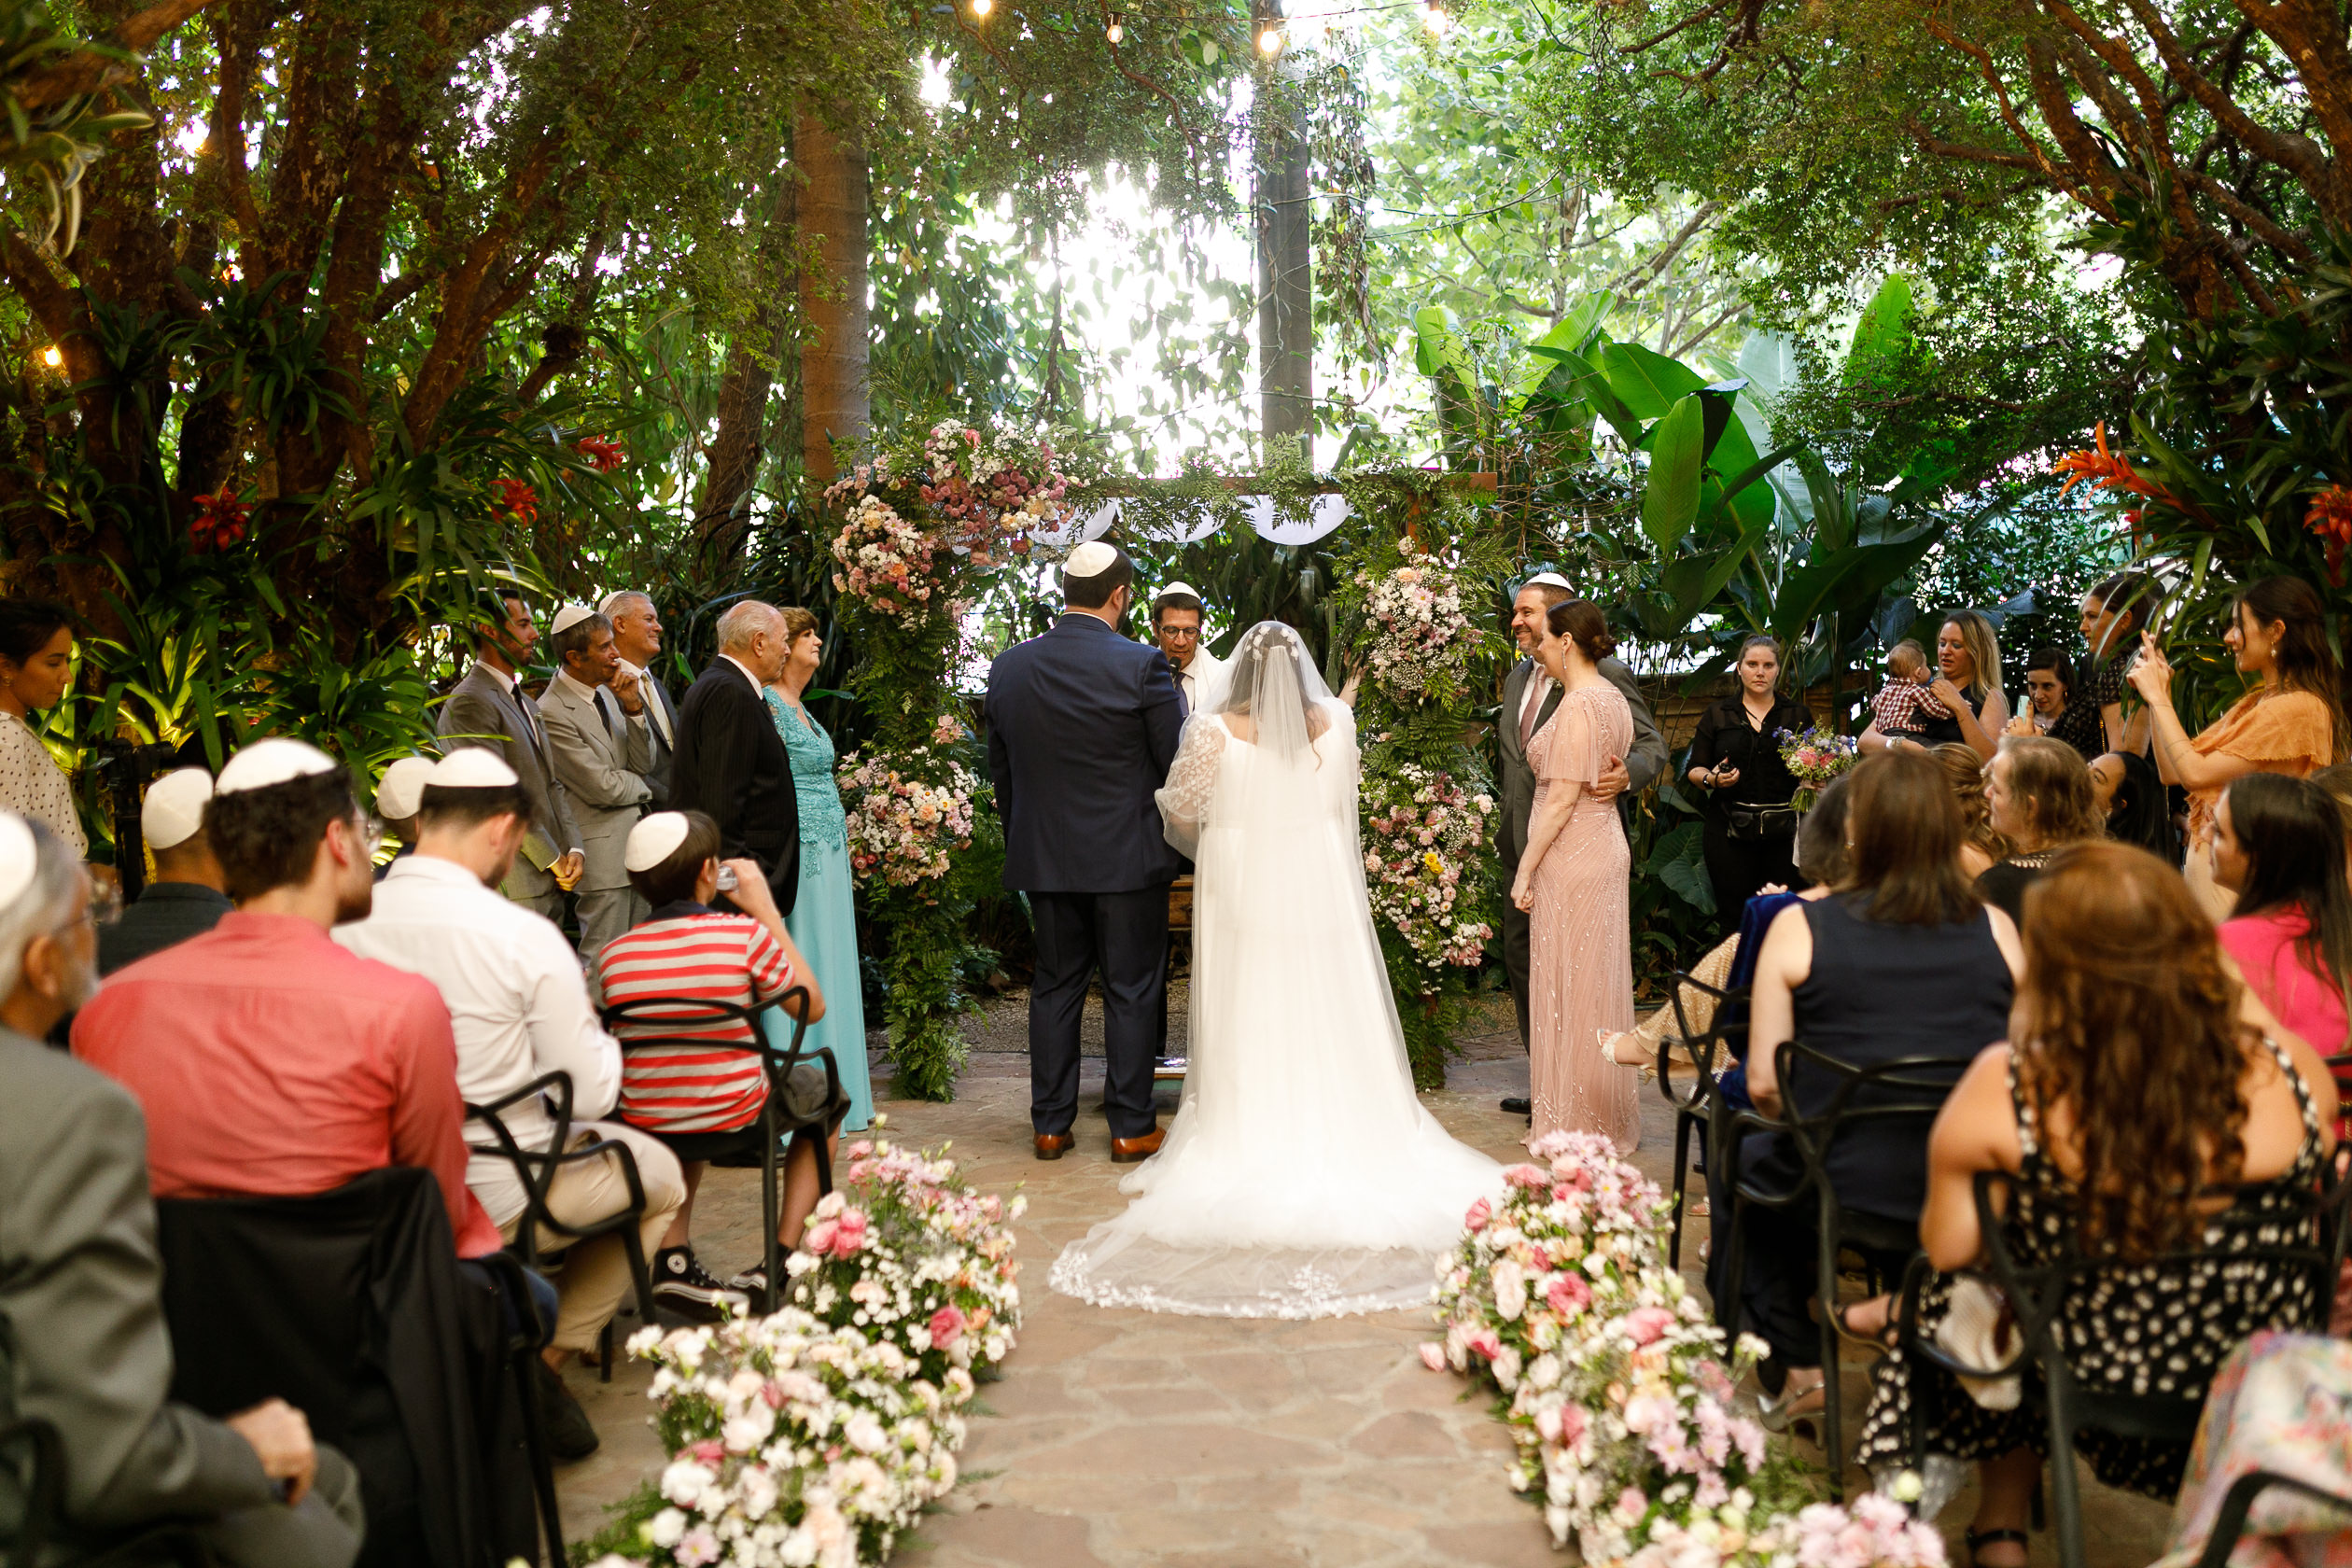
832, 213
737, 449
1286, 277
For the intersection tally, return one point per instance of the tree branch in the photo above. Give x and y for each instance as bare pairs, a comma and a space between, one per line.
87, 71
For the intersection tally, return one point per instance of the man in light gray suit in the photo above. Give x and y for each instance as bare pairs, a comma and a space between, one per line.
1529, 698
637, 637
82, 1341
594, 713
489, 708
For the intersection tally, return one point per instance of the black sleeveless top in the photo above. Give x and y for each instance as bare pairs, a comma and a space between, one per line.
1880, 992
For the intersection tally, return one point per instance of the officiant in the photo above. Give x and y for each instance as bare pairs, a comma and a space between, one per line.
1178, 627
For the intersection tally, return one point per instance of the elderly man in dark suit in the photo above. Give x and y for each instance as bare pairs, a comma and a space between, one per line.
1529, 698
82, 1341
731, 763
1083, 724
489, 709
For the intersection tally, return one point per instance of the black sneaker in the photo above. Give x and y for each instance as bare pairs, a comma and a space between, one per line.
682, 1284
570, 1435
752, 1282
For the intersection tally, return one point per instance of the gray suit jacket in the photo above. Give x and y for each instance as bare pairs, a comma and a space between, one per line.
82, 1341
665, 744
603, 773
486, 703
1517, 780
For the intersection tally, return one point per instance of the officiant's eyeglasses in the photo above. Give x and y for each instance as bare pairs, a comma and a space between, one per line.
1180, 631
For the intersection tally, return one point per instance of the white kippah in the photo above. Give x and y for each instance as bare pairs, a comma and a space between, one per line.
567, 617
1548, 579
1175, 588
174, 806
654, 840
402, 789
19, 856
1091, 559
273, 761
605, 608
471, 767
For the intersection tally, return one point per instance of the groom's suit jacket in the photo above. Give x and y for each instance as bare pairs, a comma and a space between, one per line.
1516, 780
1083, 724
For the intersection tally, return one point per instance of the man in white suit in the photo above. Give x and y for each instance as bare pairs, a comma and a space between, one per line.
601, 736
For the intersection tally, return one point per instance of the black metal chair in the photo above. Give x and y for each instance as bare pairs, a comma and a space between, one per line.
536, 1172
777, 1122
2300, 1277
1703, 1049
1908, 1090
44, 1511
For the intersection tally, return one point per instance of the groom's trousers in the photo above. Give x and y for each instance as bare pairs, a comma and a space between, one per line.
1124, 937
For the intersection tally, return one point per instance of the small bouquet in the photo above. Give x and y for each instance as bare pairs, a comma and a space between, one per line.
1816, 756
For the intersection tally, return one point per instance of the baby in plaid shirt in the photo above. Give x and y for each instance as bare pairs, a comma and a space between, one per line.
1902, 702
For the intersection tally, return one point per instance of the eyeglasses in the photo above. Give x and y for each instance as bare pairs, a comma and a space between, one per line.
1185, 632
369, 831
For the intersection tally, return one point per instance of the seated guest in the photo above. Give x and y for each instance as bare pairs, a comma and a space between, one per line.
2127, 793
270, 1061
1981, 844
1902, 961
82, 1341
520, 1009
2038, 798
2051, 707
2278, 844
396, 801
184, 899
704, 1102
2123, 985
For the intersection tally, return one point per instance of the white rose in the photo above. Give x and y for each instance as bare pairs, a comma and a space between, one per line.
664, 1527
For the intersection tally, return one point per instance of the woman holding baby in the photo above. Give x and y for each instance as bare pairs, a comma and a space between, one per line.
1962, 701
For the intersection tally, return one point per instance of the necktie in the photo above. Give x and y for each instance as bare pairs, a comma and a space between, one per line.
1530, 706
606, 711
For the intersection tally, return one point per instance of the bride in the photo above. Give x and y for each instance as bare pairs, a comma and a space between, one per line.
1302, 1178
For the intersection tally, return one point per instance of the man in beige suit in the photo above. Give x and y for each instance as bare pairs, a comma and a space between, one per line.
594, 715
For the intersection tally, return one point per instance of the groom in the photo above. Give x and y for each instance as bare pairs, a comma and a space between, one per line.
1083, 724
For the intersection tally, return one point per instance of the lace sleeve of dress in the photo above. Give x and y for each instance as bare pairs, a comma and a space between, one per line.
1192, 778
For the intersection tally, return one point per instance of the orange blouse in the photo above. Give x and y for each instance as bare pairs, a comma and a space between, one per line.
2291, 733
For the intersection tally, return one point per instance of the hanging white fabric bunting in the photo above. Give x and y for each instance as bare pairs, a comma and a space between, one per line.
1082, 527
1198, 523
1324, 514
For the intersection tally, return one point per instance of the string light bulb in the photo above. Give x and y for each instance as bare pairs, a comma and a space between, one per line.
1435, 19
1114, 32
982, 8
53, 356
1270, 41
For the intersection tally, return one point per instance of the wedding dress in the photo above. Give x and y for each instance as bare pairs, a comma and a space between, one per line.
1301, 1177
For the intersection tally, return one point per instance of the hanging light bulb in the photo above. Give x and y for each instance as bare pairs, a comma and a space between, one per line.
982, 8
53, 356
1270, 41
1435, 19
1114, 32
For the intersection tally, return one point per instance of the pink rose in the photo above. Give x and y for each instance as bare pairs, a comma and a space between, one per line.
1432, 1356
1527, 1176
946, 1326
1568, 1293
1475, 1220
711, 1451
1646, 1324
1631, 1504
819, 1237
1483, 1341
848, 1234
1573, 1422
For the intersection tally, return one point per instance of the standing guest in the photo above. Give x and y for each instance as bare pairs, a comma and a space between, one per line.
1177, 627
83, 1344
1082, 726
1751, 831
703, 1099
1530, 697
594, 714
637, 637
1980, 842
2133, 803
489, 707
1968, 685
270, 1061
731, 763
519, 1008
2053, 709
2038, 795
2114, 612
397, 797
1903, 960
185, 898
2278, 844
2288, 723
2122, 986
824, 923
1572, 885
36, 656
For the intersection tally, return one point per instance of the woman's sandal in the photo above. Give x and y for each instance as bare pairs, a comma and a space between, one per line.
1608, 1038
1885, 1339
1977, 1538
1792, 1412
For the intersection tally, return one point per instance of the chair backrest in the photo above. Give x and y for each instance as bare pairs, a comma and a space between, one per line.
637, 1012
1825, 1098
534, 1167
1705, 1048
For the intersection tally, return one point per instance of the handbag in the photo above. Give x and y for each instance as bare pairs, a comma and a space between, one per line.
1980, 1328
1750, 822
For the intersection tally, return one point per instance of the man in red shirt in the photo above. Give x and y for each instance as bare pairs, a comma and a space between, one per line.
269, 1060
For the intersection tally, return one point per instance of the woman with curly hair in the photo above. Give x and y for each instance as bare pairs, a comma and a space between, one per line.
1981, 843
2038, 791
2124, 984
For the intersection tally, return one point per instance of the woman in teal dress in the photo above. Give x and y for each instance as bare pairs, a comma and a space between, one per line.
824, 920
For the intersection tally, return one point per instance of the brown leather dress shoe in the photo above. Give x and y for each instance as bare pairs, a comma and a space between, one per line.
1126, 1151
1053, 1145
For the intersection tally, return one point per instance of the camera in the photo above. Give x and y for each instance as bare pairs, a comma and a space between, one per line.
127, 766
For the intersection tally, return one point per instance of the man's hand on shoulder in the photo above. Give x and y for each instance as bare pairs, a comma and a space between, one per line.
281, 1438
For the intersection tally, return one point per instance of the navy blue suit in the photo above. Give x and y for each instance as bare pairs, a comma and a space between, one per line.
1083, 724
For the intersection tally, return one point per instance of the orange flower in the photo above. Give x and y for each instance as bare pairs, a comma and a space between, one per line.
2112, 470
2330, 518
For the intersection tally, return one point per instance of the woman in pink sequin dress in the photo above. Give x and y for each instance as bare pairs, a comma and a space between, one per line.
1572, 881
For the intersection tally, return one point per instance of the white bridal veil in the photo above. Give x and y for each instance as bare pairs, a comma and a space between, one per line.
1301, 1178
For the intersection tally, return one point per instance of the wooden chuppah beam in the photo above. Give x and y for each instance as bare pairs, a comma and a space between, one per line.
1252, 485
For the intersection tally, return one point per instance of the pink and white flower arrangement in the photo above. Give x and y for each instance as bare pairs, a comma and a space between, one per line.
1425, 837
1421, 639
919, 525
907, 817
1816, 756
906, 1253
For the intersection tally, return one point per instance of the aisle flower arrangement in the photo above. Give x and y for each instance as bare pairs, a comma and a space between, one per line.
904, 828
1816, 756
905, 1252
1425, 837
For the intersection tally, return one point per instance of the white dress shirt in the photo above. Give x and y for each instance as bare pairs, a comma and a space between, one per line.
738, 664
602, 700
1202, 682
655, 714
517, 1002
